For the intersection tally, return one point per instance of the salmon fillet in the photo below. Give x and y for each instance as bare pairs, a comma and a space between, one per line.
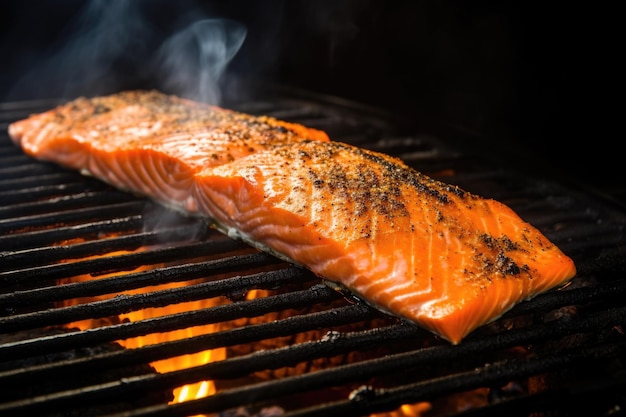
417, 248
150, 143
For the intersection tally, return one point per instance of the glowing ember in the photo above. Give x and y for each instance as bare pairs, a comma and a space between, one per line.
407, 410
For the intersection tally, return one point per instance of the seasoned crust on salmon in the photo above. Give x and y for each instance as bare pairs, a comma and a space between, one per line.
412, 246
173, 138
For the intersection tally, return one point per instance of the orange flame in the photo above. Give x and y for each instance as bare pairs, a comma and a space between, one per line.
202, 388
184, 393
407, 410
190, 391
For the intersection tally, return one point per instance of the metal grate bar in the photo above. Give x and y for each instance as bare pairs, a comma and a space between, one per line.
87, 231
138, 280
497, 373
43, 191
65, 202
71, 216
31, 181
385, 365
252, 308
52, 254
124, 262
126, 303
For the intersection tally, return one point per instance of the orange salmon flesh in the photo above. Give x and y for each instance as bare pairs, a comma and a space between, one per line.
412, 246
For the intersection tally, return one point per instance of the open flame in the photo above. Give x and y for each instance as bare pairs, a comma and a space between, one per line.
199, 389
407, 410
189, 391
186, 392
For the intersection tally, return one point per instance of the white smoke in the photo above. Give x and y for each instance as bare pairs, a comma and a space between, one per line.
112, 45
192, 61
81, 60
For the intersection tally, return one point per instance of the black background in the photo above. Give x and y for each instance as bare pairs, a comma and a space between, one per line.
534, 85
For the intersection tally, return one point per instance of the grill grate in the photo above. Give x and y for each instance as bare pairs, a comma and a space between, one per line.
297, 345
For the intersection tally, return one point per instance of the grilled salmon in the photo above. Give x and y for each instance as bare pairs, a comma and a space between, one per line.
172, 138
412, 246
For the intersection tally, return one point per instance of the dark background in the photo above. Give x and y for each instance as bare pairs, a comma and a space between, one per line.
533, 85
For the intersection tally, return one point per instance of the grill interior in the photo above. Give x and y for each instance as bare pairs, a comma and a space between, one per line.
289, 345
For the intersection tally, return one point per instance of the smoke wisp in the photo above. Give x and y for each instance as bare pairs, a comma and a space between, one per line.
110, 46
